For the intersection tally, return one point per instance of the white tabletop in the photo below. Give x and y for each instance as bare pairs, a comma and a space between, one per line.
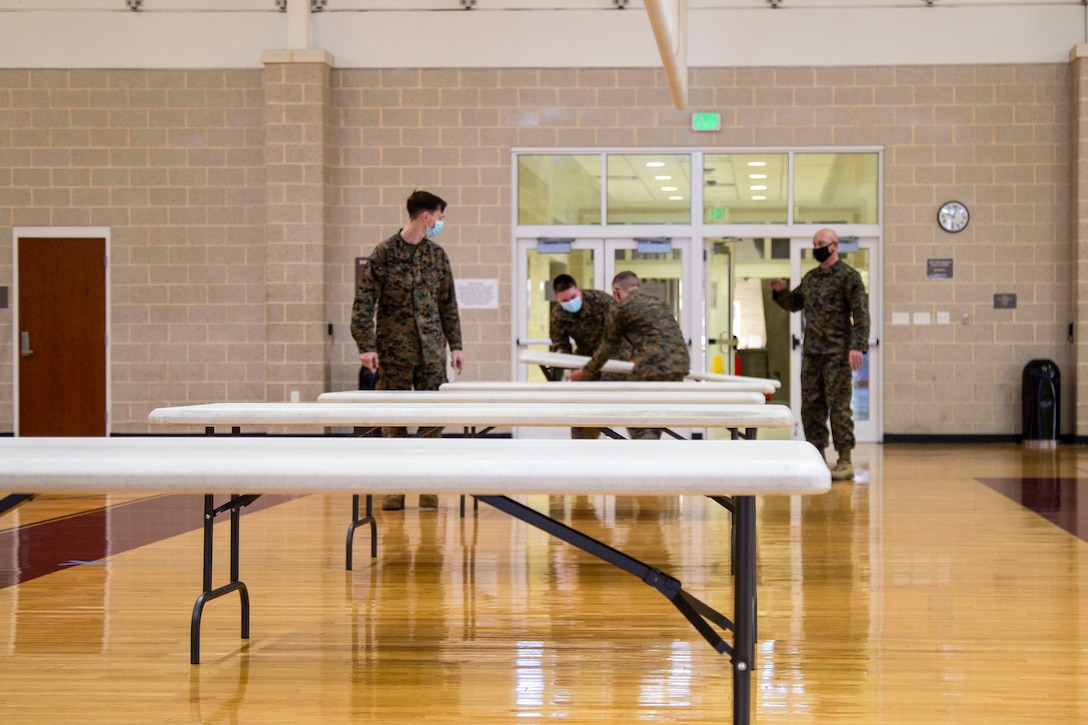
476, 414
735, 385
571, 362
407, 465
574, 362
564, 395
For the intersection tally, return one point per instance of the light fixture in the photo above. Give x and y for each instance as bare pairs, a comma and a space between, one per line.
757, 176
668, 188
757, 187
757, 163
662, 177
759, 197
676, 198
655, 164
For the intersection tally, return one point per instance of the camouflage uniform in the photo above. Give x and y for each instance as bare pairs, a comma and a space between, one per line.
586, 328
836, 310
411, 285
658, 347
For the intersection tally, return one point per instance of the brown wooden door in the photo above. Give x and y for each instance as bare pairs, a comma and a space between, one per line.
62, 337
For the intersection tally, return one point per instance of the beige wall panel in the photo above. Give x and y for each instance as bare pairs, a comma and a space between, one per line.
208, 206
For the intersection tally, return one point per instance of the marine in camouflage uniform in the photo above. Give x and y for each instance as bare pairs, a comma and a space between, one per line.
411, 285
836, 309
586, 328
647, 323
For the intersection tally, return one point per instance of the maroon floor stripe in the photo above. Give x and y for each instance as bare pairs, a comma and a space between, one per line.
38, 549
1055, 499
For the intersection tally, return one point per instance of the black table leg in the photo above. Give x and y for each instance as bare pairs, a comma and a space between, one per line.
744, 609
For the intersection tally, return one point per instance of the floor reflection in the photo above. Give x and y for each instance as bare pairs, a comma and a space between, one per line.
1056, 499
88, 537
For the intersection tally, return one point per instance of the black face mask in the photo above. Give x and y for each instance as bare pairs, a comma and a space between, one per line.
822, 254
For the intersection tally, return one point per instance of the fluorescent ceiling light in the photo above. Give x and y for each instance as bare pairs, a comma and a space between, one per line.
757, 163
655, 164
668, 188
757, 187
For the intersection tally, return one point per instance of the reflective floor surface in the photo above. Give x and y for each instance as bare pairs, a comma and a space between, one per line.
945, 585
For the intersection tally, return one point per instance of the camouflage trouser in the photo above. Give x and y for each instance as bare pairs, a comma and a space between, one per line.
411, 377
594, 433
826, 387
652, 433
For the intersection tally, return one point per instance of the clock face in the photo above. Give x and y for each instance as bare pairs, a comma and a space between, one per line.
953, 217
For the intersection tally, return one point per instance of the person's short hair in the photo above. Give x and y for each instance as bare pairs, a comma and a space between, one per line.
626, 280
421, 201
563, 282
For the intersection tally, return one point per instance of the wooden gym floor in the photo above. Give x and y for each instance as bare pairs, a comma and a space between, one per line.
949, 584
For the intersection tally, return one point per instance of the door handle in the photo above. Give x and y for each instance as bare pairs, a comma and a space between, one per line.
795, 341
24, 344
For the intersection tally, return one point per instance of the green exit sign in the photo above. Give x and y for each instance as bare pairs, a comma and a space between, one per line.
706, 122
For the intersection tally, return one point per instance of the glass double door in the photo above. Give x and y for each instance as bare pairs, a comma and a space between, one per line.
664, 267
719, 290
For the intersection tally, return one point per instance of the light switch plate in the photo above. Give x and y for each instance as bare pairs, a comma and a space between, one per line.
900, 318
943, 318
921, 318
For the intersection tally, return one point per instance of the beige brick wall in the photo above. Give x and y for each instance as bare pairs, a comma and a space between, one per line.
1078, 231
173, 163
208, 273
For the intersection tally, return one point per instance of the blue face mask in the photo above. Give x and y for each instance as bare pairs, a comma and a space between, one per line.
436, 229
572, 305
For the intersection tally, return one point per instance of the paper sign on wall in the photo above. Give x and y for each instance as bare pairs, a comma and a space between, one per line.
477, 294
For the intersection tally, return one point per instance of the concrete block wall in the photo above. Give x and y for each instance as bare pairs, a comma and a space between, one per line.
239, 199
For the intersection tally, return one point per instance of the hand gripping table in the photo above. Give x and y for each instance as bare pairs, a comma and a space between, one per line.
492, 468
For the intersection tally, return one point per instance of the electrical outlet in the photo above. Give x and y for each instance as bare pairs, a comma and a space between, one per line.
294, 396
943, 318
921, 318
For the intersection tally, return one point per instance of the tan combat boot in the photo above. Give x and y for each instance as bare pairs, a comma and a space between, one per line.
843, 470
393, 502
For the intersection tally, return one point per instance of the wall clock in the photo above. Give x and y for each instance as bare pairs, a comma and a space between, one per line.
953, 216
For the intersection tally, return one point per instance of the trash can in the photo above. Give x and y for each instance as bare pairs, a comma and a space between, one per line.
1041, 402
